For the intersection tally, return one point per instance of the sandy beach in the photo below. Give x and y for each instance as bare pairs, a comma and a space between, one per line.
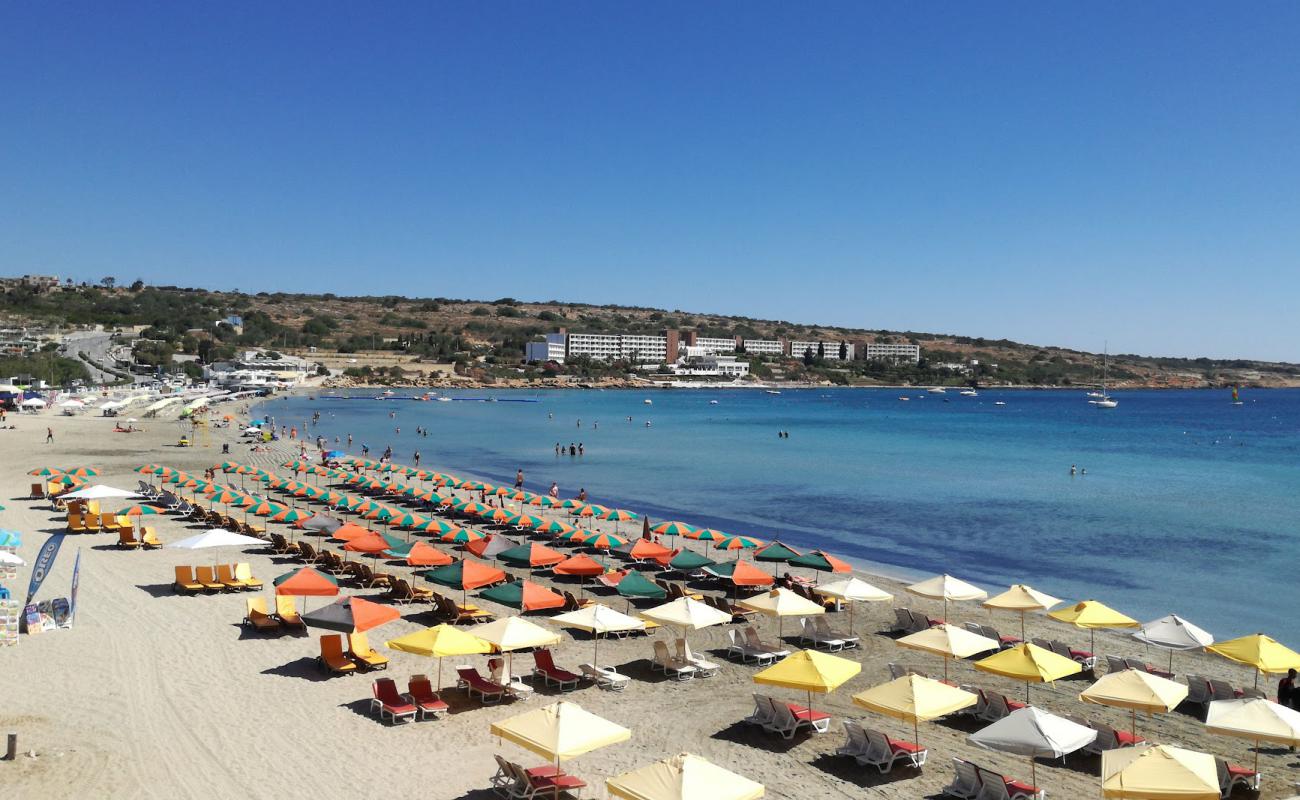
157, 695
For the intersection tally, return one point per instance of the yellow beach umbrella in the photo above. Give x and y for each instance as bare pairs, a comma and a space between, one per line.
1159, 772
1029, 663
782, 603
809, 671
1136, 691
683, 777
560, 731
1091, 615
1022, 599
946, 587
949, 642
913, 698
439, 642
1256, 719
1264, 653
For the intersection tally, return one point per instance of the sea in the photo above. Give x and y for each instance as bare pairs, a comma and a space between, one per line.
1173, 502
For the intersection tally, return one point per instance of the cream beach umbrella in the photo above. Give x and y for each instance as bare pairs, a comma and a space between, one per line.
683, 777
1256, 719
913, 698
946, 588
782, 603
515, 633
686, 614
949, 642
1159, 772
1034, 733
1022, 599
560, 731
215, 538
1172, 633
439, 642
597, 619
853, 590
1135, 691
1090, 615
1029, 663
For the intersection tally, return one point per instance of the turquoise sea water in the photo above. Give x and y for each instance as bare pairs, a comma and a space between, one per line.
1188, 504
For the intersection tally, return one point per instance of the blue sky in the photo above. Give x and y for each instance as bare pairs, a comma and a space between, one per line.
1049, 172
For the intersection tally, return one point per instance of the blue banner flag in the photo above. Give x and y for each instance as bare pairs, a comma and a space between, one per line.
44, 562
76, 581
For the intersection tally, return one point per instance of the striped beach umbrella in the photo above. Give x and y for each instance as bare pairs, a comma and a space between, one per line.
462, 535
603, 541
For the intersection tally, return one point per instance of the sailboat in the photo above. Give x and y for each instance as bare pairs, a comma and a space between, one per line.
1105, 401
1236, 399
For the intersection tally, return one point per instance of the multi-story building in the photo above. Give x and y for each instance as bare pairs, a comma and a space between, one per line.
637, 348
709, 344
764, 347
884, 351
831, 351
552, 349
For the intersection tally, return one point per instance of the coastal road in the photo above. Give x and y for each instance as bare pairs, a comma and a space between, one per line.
96, 345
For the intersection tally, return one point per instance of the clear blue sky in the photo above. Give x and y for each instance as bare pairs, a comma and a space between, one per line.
1059, 173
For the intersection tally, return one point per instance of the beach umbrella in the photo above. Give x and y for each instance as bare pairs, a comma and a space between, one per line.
1034, 733
741, 573
1021, 599
1264, 653
581, 565
349, 531
462, 535
500, 516
634, 584
531, 555
440, 642
809, 671
573, 536
525, 520
684, 560
491, 546
515, 633
1255, 718
947, 588
781, 603
1091, 615
438, 526
821, 561
949, 642
853, 590
672, 529
319, 522
709, 535
1136, 691
544, 501
465, 575
775, 551
214, 539
1029, 663
349, 614
683, 777
45, 472
1171, 633
524, 595
306, 582
737, 543
602, 541
136, 511
560, 731
372, 544
684, 613
598, 619
556, 527
82, 472
913, 698
619, 516
97, 492
644, 549
1159, 772
421, 554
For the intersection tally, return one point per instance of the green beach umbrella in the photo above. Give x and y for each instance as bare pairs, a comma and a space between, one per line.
775, 551
634, 584
821, 561
688, 560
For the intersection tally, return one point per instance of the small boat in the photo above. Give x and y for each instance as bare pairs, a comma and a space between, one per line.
648, 401
904, 398
969, 393
1105, 400
772, 391
936, 390
443, 399
999, 402
713, 402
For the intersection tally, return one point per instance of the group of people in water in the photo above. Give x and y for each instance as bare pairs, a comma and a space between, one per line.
573, 450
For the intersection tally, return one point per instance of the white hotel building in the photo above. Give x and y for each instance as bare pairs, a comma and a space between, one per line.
713, 344
764, 347
893, 352
637, 348
830, 350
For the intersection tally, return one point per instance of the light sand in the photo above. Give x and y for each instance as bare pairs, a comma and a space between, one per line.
158, 695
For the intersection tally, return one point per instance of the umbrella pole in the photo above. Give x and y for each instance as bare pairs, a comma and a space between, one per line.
1133, 722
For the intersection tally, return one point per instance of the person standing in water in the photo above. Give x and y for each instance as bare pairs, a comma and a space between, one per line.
519, 479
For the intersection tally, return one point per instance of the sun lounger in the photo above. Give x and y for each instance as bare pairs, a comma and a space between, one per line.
369, 577
668, 664
244, 574
1142, 666
763, 713
108, 522
544, 665
966, 783
185, 581
126, 539
77, 524
996, 786
704, 668
332, 658
788, 718
360, 651
38, 491
419, 690
281, 545
554, 784
897, 671
1222, 690
1085, 659
1115, 664
1232, 776
998, 706
473, 683
286, 608
823, 628
257, 616
150, 539
389, 703
738, 647
572, 603
226, 577
751, 639
208, 577
809, 633
1109, 738
880, 751
605, 677
458, 613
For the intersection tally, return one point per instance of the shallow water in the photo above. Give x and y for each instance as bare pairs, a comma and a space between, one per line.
1188, 503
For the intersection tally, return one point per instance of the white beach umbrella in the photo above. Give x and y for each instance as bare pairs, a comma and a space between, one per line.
213, 539
33, 402
597, 619
1033, 732
945, 588
1254, 718
1173, 633
853, 590
73, 403
98, 492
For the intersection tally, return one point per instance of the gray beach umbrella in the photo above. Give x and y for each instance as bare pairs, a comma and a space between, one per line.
323, 523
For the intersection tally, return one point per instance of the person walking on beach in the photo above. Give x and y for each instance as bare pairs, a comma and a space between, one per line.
519, 479
49, 436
